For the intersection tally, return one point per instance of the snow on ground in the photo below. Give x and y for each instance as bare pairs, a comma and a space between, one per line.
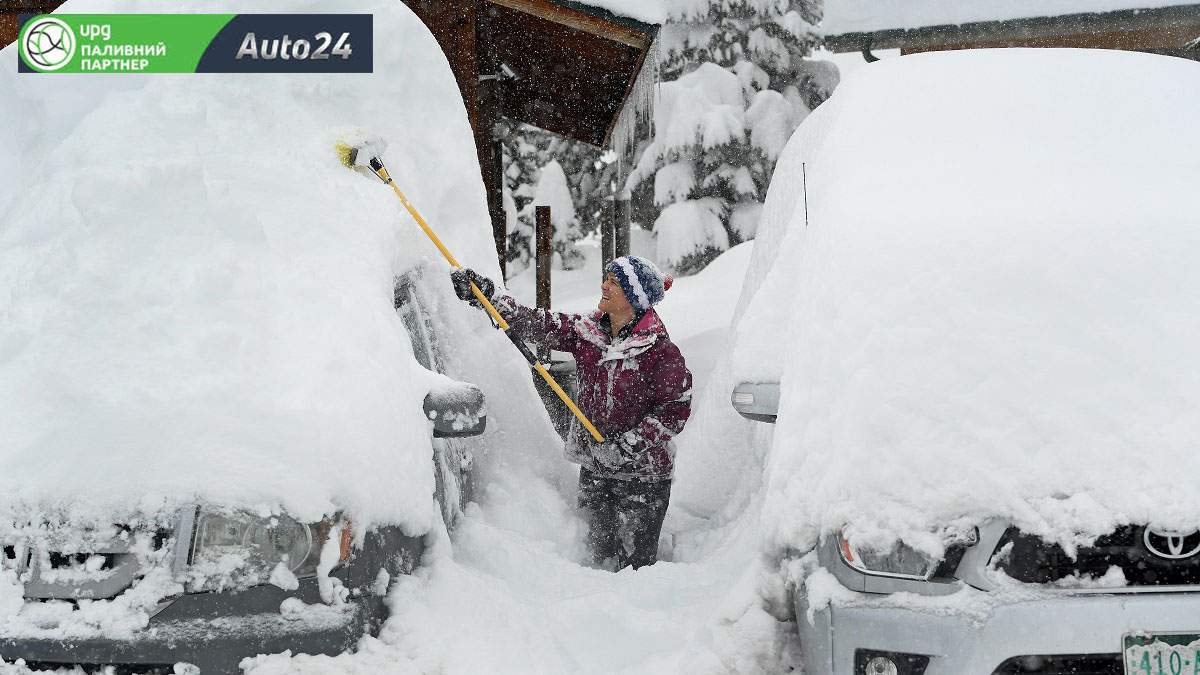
997, 318
142, 341
506, 593
196, 300
717, 464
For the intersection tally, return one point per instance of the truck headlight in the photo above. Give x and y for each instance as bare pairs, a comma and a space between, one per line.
901, 561
905, 562
238, 548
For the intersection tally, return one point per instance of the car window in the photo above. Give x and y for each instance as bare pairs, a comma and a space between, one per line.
416, 320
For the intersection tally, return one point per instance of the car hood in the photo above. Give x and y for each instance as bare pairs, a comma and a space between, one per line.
981, 309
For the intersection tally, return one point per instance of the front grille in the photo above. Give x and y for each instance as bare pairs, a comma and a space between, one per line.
1030, 559
1062, 664
104, 668
53, 565
97, 562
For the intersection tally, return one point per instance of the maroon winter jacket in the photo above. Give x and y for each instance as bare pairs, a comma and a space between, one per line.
636, 386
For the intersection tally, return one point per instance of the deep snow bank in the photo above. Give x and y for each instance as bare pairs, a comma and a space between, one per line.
511, 590
196, 298
993, 307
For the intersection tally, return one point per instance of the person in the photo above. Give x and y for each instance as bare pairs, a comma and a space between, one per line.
634, 386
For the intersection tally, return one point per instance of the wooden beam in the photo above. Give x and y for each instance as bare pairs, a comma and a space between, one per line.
579, 21
8, 29
1160, 38
1152, 28
456, 26
569, 82
9, 11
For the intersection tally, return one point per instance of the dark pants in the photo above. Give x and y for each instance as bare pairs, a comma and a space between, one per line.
624, 518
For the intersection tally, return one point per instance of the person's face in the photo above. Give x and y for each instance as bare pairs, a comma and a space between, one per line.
612, 297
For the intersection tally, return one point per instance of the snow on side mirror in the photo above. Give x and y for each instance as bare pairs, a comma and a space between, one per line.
758, 401
456, 410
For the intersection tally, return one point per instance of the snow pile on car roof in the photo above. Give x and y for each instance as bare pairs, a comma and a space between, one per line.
989, 304
196, 297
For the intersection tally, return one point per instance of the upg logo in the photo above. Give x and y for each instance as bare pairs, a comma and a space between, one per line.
47, 44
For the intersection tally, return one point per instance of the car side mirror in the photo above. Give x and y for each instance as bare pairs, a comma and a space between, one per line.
758, 401
456, 410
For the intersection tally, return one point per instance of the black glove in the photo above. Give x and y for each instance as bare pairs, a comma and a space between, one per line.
462, 280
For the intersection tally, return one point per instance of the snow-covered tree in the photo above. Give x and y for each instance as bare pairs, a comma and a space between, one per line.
520, 174
735, 86
552, 190
590, 177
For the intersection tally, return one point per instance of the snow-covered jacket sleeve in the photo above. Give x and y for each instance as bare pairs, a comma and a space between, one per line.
671, 389
552, 329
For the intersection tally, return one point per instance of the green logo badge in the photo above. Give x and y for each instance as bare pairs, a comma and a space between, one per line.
195, 43
48, 44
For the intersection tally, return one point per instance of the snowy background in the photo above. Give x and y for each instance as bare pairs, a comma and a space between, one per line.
154, 218
197, 306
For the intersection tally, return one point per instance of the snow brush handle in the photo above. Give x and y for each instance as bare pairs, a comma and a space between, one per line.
565, 398
381, 171
562, 395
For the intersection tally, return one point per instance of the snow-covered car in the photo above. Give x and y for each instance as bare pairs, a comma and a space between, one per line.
972, 320
229, 366
252, 582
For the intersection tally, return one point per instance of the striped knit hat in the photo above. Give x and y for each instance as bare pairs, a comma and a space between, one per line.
644, 284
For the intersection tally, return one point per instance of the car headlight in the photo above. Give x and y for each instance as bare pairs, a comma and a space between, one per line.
903, 561
239, 548
899, 561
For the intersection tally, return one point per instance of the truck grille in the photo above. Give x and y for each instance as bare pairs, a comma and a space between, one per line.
103, 570
1062, 664
1146, 559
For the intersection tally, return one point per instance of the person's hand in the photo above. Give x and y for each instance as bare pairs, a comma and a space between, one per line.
462, 280
613, 454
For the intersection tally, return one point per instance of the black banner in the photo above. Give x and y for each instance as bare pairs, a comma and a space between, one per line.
291, 43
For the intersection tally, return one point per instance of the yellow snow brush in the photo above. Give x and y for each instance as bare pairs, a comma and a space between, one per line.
364, 154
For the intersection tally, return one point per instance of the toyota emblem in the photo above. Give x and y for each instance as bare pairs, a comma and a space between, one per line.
1171, 545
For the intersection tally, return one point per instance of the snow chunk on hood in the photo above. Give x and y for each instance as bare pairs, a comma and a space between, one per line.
196, 297
990, 303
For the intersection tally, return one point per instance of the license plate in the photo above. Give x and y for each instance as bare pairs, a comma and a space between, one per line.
1161, 653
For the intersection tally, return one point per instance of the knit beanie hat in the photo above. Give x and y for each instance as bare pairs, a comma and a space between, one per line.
644, 284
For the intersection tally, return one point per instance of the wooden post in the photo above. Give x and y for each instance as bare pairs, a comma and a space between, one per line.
496, 205
607, 220
621, 240
488, 107
544, 235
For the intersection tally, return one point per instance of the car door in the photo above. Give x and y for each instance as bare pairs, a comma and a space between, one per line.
452, 457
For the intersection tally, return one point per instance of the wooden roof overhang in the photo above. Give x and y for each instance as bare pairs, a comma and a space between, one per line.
570, 68
1166, 29
11, 9
555, 64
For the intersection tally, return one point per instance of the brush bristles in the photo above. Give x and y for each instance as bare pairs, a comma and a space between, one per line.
347, 154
